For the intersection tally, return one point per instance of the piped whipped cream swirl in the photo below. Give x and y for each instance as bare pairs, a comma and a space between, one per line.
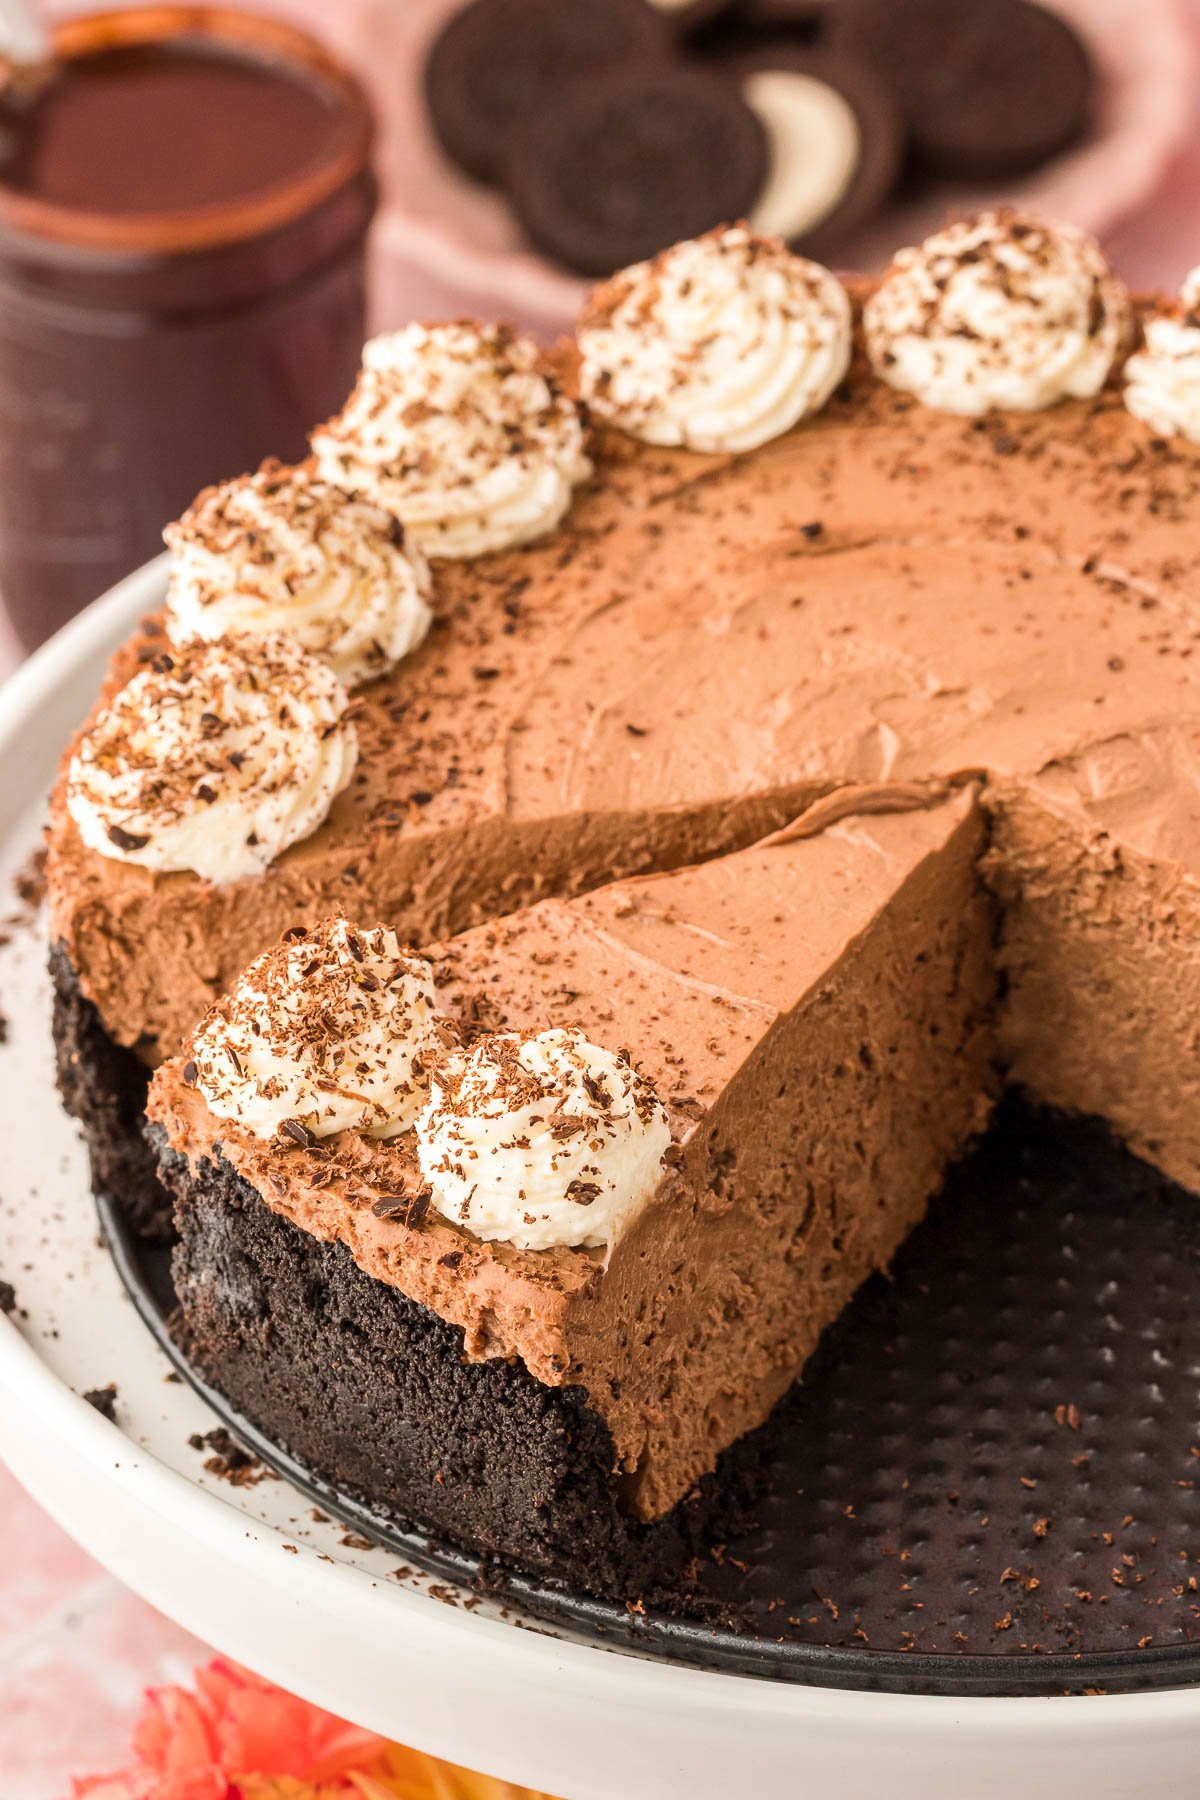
719, 344
284, 551
1162, 382
462, 433
998, 312
541, 1138
332, 1030
214, 758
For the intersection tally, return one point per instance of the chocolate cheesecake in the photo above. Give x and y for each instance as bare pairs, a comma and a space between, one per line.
816, 731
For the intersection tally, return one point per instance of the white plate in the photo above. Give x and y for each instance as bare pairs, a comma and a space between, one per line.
253, 1573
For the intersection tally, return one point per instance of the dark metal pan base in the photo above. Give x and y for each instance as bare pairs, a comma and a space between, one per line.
989, 1481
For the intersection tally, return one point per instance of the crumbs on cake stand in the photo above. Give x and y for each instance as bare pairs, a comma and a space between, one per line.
229, 1461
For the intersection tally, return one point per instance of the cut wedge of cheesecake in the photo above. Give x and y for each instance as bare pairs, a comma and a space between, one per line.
816, 1013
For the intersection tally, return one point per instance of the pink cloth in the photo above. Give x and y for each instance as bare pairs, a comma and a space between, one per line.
1157, 246
76, 1649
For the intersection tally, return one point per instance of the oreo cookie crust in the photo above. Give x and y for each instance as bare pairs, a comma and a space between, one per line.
498, 61
988, 88
617, 169
103, 1085
370, 1391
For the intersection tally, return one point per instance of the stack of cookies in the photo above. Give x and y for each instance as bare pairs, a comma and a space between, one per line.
616, 127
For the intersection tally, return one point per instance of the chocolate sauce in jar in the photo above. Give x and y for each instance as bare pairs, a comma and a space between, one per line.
183, 211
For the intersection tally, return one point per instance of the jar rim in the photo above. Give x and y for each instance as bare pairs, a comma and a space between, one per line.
212, 226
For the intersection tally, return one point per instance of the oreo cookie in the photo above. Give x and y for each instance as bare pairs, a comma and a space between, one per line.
613, 170
989, 88
497, 62
836, 142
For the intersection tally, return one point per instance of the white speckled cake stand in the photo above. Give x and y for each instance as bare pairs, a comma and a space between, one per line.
253, 1572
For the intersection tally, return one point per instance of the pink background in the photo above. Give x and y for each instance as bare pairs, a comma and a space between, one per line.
76, 1649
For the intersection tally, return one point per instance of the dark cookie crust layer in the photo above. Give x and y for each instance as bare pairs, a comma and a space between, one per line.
103, 1085
369, 1390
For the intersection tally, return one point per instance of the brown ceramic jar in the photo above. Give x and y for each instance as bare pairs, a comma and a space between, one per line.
183, 215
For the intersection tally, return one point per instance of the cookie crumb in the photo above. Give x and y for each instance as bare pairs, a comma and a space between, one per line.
104, 1399
229, 1461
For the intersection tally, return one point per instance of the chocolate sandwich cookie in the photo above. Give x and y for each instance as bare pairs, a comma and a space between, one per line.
988, 88
836, 141
498, 61
616, 169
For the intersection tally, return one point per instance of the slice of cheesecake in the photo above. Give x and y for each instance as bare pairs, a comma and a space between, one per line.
816, 1016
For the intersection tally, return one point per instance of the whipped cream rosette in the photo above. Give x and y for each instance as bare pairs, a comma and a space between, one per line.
463, 433
541, 1138
214, 758
998, 312
334, 1029
1162, 382
719, 344
284, 551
